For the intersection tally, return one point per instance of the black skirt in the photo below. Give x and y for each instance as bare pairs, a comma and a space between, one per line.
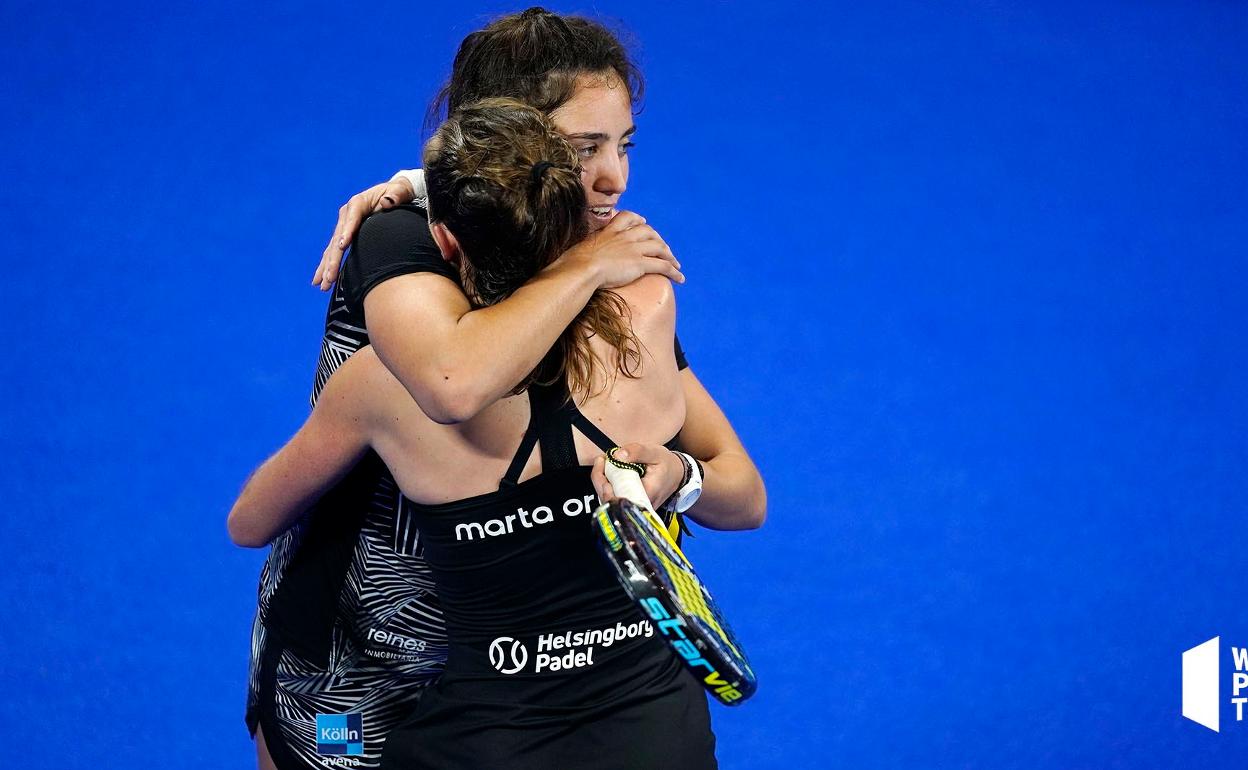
662, 723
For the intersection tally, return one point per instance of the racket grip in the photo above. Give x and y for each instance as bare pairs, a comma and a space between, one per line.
627, 484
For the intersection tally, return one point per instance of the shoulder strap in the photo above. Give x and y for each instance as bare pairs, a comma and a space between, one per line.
550, 427
555, 438
591, 431
552, 414
602, 440
522, 454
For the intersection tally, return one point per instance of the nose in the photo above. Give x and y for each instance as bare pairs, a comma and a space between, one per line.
609, 174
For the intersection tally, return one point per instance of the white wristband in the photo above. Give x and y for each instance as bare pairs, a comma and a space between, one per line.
416, 178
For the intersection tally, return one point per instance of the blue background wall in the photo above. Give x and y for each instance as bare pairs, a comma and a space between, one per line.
969, 279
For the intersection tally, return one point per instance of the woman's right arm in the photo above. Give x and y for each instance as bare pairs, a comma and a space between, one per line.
387, 195
455, 361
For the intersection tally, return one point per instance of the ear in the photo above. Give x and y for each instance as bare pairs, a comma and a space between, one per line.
447, 244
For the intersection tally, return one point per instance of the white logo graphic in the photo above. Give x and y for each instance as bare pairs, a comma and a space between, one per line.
1202, 674
508, 655
522, 519
407, 643
1200, 683
565, 650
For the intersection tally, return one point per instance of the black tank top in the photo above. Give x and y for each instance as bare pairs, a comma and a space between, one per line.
524, 589
550, 663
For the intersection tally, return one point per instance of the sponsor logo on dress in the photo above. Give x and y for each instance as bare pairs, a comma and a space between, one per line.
408, 644
522, 519
508, 655
340, 734
562, 651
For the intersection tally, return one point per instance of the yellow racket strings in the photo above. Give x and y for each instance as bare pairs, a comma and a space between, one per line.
688, 590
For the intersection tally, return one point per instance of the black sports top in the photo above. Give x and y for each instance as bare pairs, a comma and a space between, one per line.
550, 663
523, 562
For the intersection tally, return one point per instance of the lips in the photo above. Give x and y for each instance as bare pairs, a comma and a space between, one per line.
599, 216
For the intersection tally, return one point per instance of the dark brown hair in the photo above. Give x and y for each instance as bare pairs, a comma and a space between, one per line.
535, 56
508, 187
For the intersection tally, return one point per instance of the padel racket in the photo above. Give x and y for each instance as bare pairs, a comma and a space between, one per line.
656, 574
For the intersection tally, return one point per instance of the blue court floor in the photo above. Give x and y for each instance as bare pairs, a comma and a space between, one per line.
968, 278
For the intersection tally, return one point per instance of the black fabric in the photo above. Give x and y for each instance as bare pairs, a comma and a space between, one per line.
551, 417
337, 590
531, 433
555, 411
520, 575
266, 713
391, 243
302, 610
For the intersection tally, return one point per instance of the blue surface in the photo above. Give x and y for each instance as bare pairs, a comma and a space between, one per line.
968, 278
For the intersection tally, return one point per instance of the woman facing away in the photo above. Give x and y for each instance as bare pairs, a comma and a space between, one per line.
550, 663
348, 626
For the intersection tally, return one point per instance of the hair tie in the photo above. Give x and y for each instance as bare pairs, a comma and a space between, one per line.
539, 168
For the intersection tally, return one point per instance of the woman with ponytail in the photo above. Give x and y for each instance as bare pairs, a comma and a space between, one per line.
348, 623
549, 663
517, 208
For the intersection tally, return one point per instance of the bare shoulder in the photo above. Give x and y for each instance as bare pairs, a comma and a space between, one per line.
651, 294
361, 386
361, 368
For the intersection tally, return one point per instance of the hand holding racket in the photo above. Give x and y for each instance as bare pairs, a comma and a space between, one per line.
661, 470
656, 574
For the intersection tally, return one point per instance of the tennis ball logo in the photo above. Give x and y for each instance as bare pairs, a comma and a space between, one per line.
508, 655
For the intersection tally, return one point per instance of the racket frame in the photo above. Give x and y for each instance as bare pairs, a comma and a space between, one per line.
725, 674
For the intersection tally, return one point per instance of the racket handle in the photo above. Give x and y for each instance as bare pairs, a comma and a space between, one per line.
627, 484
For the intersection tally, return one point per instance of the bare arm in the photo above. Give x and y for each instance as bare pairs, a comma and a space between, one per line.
282, 489
462, 360
733, 495
455, 361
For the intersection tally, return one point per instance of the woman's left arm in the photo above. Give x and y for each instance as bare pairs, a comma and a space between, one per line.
324, 450
733, 495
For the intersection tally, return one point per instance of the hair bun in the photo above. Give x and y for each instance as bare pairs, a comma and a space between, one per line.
538, 171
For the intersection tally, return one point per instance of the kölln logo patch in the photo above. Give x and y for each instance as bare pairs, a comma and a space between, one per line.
340, 734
